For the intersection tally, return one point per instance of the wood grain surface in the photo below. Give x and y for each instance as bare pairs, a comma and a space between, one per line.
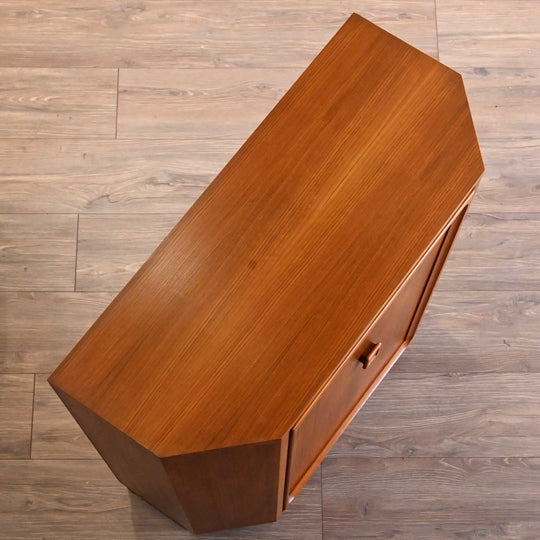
38, 252
49, 103
251, 240
108, 176
505, 102
169, 34
447, 414
476, 332
39, 328
495, 252
16, 404
209, 102
113, 247
419, 491
497, 33
511, 182
435, 529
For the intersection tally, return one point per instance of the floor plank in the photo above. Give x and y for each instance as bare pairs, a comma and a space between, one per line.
37, 251
505, 103
476, 332
447, 415
55, 434
90, 176
37, 330
436, 530
205, 103
49, 103
169, 34
495, 252
462, 493
511, 182
81, 499
497, 33
113, 247
16, 402
152, 176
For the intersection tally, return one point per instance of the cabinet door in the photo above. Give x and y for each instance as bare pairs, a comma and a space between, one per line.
357, 377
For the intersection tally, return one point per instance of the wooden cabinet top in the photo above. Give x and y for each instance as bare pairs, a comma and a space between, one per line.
237, 320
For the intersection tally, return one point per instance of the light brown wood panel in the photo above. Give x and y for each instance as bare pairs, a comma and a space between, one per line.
476, 331
433, 530
38, 251
511, 182
81, 499
171, 34
505, 102
49, 103
489, 34
200, 103
55, 434
16, 402
498, 251
447, 414
113, 247
89, 176
38, 329
480, 492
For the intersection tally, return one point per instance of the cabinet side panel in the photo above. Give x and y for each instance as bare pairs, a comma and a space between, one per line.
230, 487
136, 467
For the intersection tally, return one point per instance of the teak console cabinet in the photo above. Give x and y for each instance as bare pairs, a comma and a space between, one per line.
219, 377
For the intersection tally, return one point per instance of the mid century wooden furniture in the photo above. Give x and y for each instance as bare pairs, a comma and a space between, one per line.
218, 379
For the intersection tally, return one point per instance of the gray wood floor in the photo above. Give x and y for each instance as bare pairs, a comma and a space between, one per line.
113, 119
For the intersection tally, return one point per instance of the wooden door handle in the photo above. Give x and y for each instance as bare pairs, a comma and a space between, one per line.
370, 354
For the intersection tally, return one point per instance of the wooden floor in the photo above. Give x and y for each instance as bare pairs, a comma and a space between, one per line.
113, 119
